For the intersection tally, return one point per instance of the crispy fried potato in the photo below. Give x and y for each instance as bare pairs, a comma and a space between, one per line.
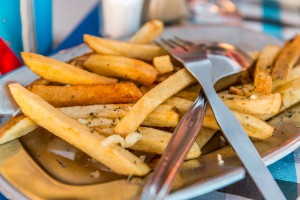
189, 93
162, 116
254, 127
164, 90
263, 83
42, 113
183, 105
163, 64
15, 128
263, 70
110, 111
255, 104
155, 141
59, 96
110, 47
295, 74
148, 32
121, 67
266, 59
287, 58
60, 72
204, 136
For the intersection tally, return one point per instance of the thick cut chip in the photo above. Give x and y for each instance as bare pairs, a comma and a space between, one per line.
116, 158
60, 96
148, 32
120, 48
164, 90
121, 67
287, 58
60, 72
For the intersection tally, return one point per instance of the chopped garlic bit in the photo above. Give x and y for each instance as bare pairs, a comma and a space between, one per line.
113, 139
220, 160
95, 174
142, 158
132, 138
253, 96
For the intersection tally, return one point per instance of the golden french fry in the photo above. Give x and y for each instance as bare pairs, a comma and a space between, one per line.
148, 32
290, 93
263, 70
287, 58
164, 90
295, 74
116, 158
255, 104
60, 72
183, 105
162, 116
204, 136
266, 59
189, 93
152, 141
263, 83
15, 128
58, 96
120, 48
110, 111
163, 64
254, 127
121, 67
155, 141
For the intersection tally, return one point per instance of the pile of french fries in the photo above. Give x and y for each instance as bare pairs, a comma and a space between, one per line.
128, 96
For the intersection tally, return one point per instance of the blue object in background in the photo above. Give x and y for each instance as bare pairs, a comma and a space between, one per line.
11, 28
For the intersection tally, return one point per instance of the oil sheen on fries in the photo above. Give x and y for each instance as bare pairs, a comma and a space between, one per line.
116, 158
60, 72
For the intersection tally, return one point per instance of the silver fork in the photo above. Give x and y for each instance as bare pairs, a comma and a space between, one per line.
193, 57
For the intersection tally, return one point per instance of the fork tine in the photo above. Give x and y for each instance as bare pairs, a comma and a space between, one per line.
165, 44
184, 42
178, 44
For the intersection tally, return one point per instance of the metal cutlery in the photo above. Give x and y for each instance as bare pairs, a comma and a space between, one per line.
195, 60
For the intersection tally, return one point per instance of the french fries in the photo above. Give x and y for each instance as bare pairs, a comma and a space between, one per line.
164, 90
59, 96
163, 64
148, 32
103, 117
263, 70
109, 47
155, 141
60, 72
255, 104
121, 67
42, 113
15, 128
288, 57
253, 126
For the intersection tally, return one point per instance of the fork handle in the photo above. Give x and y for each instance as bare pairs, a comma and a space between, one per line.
160, 181
240, 142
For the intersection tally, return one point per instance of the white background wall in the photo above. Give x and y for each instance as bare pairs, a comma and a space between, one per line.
66, 16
